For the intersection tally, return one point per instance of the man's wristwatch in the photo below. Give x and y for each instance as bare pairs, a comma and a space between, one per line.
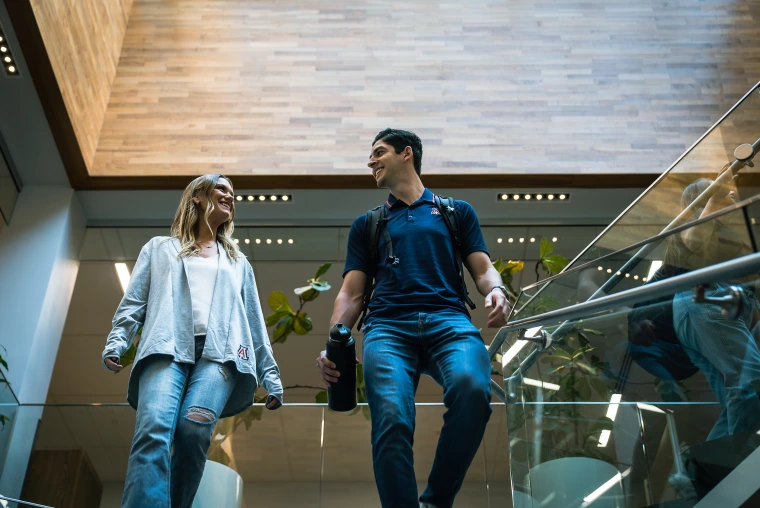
503, 289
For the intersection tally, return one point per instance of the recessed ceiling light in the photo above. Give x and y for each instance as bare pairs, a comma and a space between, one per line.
11, 69
554, 239
7, 59
504, 197
498, 240
550, 197
279, 240
515, 197
539, 197
561, 197
609, 270
273, 197
522, 240
247, 240
239, 198
262, 198
600, 268
3, 49
532, 239
511, 240
258, 240
237, 241
269, 240
635, 277
290, 241
285, 198
527, 196
250, 198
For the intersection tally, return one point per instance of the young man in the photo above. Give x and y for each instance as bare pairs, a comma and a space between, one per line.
418, 324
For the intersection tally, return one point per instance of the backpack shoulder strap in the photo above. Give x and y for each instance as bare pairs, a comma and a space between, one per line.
375, 224
448, 212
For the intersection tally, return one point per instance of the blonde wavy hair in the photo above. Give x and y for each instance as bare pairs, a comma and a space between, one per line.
187, 217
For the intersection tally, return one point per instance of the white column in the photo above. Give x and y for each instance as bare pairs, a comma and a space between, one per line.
39, 261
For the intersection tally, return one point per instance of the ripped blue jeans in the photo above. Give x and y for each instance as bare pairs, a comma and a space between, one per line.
178, 404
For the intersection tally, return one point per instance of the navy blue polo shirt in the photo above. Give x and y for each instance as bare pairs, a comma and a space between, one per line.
426, 278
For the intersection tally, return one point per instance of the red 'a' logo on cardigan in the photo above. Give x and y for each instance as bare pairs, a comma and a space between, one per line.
243, 353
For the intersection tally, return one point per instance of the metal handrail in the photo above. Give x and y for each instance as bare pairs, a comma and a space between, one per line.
715, 273
24, 503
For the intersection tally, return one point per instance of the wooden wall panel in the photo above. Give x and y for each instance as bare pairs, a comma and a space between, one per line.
493, 88
83, 41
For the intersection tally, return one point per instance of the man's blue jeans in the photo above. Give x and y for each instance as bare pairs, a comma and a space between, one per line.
449, 348
170, 393
725, 350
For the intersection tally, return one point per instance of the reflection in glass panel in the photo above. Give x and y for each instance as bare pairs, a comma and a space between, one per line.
728, 146
721, 238
299, 455
656, 402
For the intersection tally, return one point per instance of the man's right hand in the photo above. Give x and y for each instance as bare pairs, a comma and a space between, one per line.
327, 369
112, 363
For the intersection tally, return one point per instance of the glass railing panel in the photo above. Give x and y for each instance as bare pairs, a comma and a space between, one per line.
714, 153
720, 238
655, 402
300, 455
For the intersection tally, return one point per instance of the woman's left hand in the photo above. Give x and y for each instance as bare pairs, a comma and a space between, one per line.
273, 402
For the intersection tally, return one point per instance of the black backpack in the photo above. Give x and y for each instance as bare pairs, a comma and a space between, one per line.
376, 222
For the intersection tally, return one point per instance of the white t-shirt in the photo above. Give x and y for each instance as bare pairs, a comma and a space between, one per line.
202, 278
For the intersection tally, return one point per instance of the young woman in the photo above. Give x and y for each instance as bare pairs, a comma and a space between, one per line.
203, 350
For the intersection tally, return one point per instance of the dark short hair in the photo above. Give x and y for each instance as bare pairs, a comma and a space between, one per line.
399, 140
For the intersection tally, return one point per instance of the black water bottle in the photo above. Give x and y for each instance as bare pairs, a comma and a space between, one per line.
341, 350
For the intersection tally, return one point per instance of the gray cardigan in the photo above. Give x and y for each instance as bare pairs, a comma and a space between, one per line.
158, 300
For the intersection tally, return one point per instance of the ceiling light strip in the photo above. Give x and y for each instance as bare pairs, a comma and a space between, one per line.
544, 197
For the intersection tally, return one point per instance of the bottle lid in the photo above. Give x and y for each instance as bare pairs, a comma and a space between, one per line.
340, 333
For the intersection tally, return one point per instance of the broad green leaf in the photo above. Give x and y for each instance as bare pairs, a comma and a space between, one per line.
554, 264
322, 270
283, 329
252, 414
558, 351
310, 295
497, 264
512, 267
4, 419
582, 351
545, 249
272, 319
3, 362
128, 357
555, 369
588, 368
367, 414
302, 324
278, 301
591, 331
321, 397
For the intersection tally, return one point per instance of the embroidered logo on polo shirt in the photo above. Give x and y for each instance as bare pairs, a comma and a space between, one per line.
435, 211
243, 352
